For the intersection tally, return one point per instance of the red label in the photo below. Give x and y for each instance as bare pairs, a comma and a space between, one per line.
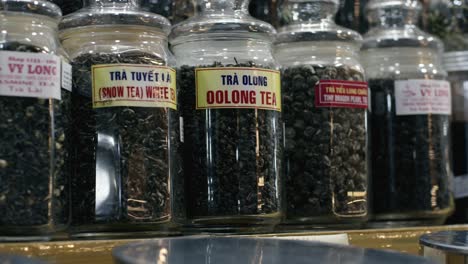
343, 94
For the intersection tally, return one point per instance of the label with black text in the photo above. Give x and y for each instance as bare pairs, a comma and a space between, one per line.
134, 85
238, 87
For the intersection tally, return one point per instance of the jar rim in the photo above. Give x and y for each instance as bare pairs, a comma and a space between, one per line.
456, 61
317, 32
101, 30
400, 37
211, 25
89, 16
336, 2
37, 7
226, 36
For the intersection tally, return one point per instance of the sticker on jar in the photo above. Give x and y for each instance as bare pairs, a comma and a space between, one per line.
134, 85
341, 94
35, 75
181, 129
459, 186
459, 101
66, 76
422, 97
236, 87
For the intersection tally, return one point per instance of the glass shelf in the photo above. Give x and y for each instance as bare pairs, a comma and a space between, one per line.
404, 240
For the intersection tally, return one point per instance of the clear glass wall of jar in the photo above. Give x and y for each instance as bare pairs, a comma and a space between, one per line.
456, 64
325, 112
410, 117
231, 104
125, 125
34, 172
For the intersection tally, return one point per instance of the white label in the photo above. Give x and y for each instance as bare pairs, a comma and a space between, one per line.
66, 76
460, 184
30, 75
421, 97
181, 123
460, 101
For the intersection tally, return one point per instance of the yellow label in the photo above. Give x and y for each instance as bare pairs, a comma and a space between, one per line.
238, 88
134, 85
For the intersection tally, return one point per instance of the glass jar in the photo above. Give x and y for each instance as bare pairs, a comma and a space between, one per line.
410, 117
231, 105
325, 111
456, 63
34, 116
125, 124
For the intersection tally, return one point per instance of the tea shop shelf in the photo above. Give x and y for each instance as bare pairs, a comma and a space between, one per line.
99, 251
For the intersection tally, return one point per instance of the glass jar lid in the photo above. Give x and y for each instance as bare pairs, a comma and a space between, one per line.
221, 19
114, 12
405, 4
313, 20
37, 7
394, 24
456, 61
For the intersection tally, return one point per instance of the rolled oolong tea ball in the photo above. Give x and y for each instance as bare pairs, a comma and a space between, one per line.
325, 148
241, 177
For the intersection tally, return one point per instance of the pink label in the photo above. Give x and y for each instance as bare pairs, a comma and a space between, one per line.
30, 75
342, 94
422, 97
